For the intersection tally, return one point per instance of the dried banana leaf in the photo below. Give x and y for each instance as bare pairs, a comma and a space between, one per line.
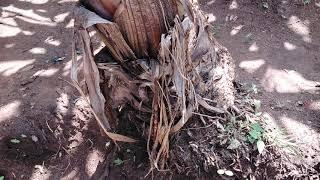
166, 64
88, 68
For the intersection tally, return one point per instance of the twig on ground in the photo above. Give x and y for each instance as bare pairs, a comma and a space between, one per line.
49, 127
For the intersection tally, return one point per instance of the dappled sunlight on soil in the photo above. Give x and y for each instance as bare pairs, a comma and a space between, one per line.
286, 81
300, 27
304, 137
8, 68
10, 110
252, 65
301, 132
276, 47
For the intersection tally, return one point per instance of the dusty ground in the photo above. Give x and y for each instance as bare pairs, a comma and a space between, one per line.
275, 48
36, 100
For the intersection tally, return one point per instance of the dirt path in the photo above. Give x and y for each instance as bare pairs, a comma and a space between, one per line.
57, 139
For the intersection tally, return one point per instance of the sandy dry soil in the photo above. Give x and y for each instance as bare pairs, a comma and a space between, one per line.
46, 130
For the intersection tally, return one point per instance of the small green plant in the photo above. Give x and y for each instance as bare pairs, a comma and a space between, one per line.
255, 133
255, 136
1, 177
118, 162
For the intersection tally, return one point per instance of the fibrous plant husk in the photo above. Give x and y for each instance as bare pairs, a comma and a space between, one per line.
165, 65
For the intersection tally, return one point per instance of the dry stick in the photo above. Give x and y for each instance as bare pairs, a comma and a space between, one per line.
49, 126
164, 142
148, 142
200, 127
159, 131
66, 167
203, 115
203, 121
166, 131
211, 117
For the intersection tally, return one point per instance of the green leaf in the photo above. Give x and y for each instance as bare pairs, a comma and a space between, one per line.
1, 177
15, 141
260, 146
257, 127
250, 139
118, 162
234, 144
255, 134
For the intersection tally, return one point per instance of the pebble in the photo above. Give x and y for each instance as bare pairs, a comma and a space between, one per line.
299, 103
34, 138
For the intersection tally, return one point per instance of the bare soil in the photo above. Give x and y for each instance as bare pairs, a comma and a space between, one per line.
275, 45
